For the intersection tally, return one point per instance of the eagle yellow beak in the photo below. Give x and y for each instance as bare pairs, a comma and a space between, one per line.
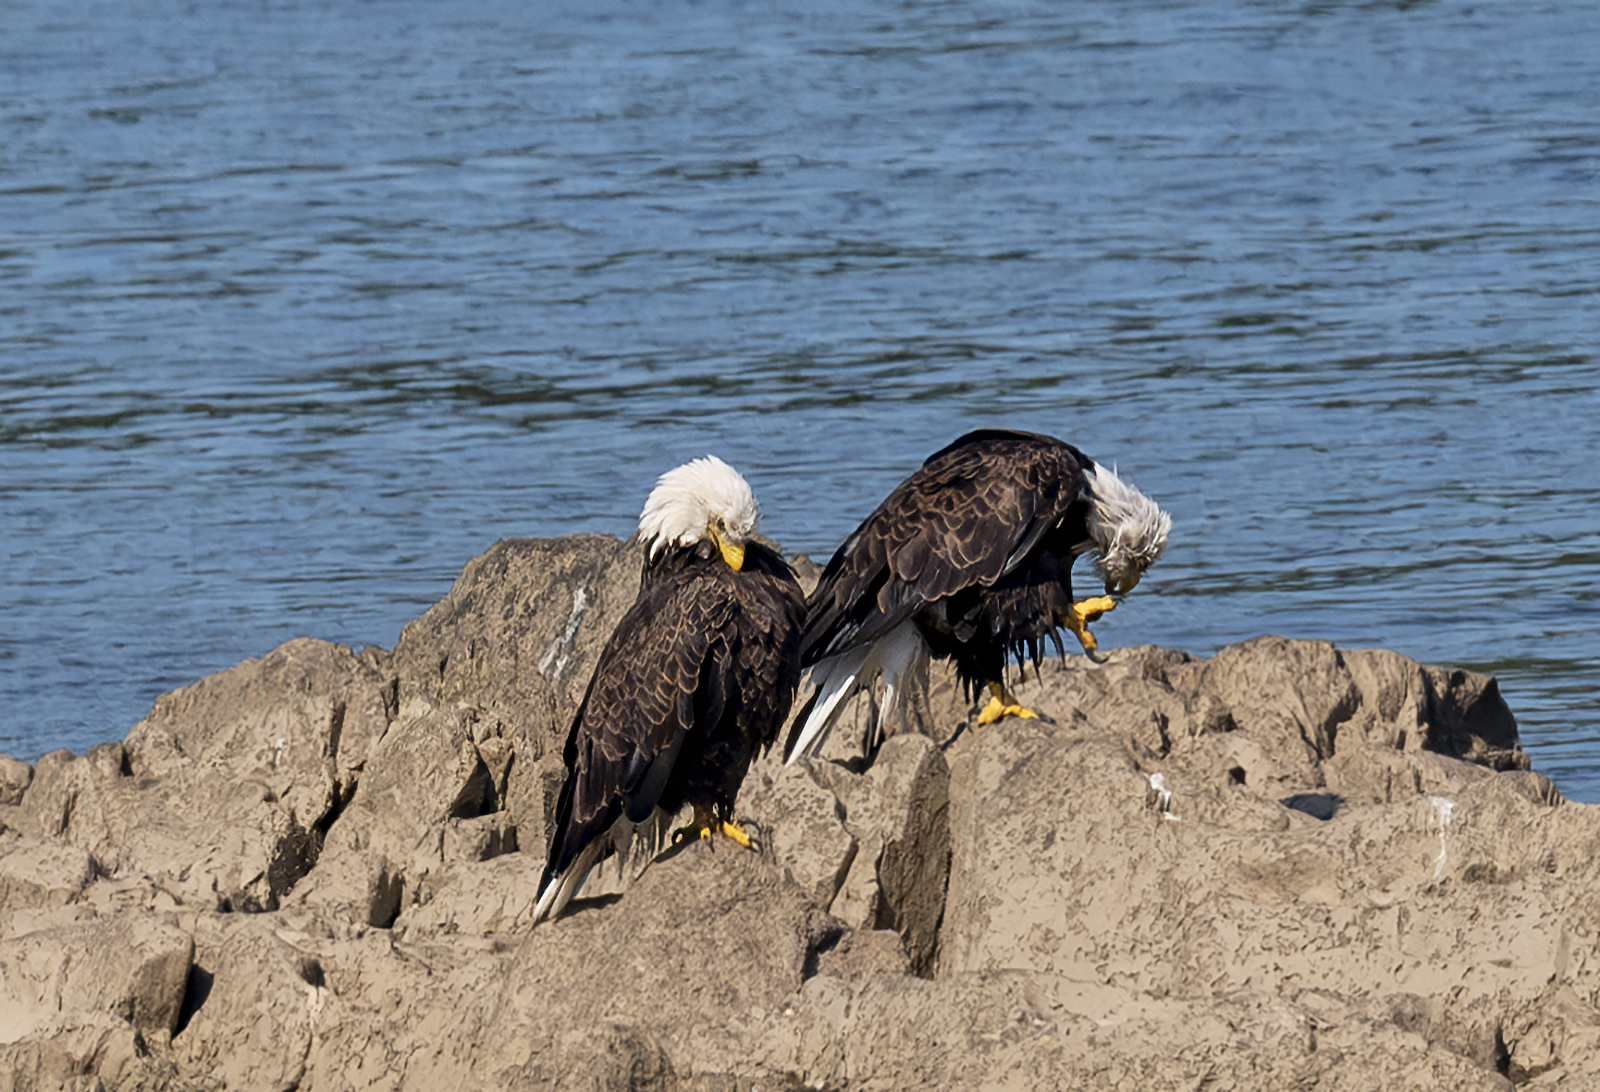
732, 553
1127, 585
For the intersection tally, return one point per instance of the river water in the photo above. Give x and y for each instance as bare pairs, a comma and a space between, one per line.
303, 305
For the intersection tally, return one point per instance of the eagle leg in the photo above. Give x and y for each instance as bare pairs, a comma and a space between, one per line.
1001, 704
705, 824
1078, 618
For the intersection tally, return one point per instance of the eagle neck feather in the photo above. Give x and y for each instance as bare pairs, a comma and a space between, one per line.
1127, 529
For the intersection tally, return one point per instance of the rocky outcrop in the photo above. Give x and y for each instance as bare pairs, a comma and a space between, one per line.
1288, 865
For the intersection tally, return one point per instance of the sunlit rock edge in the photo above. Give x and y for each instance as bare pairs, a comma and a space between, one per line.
1288, 865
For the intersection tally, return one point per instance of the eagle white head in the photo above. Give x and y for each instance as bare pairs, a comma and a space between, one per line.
1127, 528
705, 500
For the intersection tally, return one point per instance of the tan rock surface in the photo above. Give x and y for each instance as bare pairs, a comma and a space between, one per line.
1287, 866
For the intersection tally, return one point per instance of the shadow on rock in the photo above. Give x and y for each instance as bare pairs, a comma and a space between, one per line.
1289, 865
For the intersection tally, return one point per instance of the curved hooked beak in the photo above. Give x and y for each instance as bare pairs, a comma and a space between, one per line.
1124, 586
732, 552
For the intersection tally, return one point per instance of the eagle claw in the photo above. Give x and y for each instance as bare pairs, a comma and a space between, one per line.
996, 709
704, 825
1078, 618
1090, 610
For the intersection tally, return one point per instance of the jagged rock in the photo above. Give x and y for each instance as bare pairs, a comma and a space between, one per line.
909, 786
514, 641
897, 815
253, 1006
1299, 904
429, 798
222, 792
1292, 696
37, 878
1009, 1030
699, 960
1290, 865
486, 897
524, 620
14, 779
801, 823
134, 969
80, 1053
301, 720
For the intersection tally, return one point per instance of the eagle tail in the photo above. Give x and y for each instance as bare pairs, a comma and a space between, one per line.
833, 680
625, 840
905, 679
559, 891
899, 656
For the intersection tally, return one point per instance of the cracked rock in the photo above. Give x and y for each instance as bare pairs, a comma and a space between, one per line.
1290, 865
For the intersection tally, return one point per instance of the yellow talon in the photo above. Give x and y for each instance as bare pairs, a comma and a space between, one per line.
704, 825
734, 832
1078, 619
1000, 705
1090, 610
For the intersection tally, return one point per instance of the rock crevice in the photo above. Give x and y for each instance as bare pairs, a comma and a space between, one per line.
1287, 865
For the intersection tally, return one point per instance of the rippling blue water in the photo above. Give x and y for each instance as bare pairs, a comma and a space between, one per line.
303, 305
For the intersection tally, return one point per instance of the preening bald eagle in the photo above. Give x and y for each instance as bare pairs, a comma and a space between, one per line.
970, 559
700, 672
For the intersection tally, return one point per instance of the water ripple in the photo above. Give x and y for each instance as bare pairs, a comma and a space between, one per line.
303, 309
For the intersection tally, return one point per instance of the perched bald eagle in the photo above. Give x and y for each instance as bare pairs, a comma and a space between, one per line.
699, 673
970, 559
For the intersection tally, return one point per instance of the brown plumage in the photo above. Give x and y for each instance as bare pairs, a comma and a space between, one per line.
698, 675
970, 559
951, 536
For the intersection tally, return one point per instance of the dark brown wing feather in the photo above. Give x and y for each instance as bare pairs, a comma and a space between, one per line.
753, 682
699, 673
971, 515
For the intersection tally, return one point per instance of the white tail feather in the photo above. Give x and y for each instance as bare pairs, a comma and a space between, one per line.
563, 887
905, 677
900, 657
834, 679
623, 840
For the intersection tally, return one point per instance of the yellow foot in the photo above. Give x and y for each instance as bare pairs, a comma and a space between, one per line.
704, 825
1001, 704
734, 833
1078, 619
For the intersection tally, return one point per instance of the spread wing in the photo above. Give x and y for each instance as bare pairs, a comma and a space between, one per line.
970, 515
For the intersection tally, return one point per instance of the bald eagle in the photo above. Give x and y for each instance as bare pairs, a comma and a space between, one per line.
970, 559
699, 673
